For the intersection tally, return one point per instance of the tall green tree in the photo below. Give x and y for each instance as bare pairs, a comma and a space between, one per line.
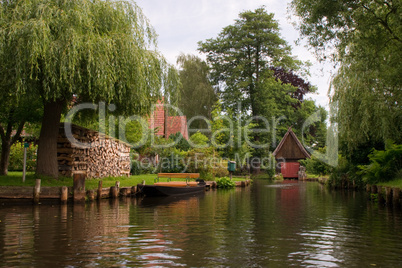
252, 65
97, 50
364, 38
197, 95
242, 55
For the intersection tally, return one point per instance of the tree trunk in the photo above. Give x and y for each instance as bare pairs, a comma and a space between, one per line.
7, 140
5, 157
47, 146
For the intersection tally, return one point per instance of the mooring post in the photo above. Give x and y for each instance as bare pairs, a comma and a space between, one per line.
79, 187
64, 194
373, 189
380, 191
388, 195
100, 190
36, 191
396, 192
114, 192
133, 190
123, 191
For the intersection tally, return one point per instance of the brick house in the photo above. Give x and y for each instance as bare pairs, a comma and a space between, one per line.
166, 125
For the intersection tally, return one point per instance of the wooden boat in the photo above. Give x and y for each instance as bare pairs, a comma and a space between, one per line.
172, 188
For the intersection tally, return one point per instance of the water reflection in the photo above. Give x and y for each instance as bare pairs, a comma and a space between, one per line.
289, 223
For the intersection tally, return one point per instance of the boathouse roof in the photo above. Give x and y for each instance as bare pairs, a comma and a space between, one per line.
290, 148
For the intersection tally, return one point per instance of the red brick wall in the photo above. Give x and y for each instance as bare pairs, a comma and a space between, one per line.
158, 119
175, 123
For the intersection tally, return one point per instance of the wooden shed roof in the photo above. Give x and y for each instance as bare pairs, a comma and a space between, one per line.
290, 147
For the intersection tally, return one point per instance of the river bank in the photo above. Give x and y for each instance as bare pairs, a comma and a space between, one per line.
78, 192
389, 195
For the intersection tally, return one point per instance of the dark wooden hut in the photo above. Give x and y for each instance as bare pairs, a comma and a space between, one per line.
288, 153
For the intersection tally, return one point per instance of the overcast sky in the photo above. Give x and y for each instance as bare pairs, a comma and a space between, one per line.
180, 24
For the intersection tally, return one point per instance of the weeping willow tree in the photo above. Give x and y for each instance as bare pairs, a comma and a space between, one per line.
89, 50
364, 37
368, 108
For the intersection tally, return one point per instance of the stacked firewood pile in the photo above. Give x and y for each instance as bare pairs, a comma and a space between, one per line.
101, 155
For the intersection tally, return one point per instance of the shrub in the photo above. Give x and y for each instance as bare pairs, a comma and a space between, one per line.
278, 177
344, 174
17, 157
199, 160
315, 166
384, 165
225, 182
220, 169
270, 172
270, 169
199, 139
183, 144
142, 167
173, 162
145, 165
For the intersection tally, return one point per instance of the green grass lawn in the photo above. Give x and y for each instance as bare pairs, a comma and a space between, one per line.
15, 179
315, 176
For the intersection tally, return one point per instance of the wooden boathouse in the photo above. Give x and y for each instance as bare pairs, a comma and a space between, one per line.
288, 153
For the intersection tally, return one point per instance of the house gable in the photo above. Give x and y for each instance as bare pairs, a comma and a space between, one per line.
290, 148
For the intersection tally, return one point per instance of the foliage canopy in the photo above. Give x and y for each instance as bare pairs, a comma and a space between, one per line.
87, 50
365, 38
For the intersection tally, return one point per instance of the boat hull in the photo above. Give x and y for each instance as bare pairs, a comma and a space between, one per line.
156, 190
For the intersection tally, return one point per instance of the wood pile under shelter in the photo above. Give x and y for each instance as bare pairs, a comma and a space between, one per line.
91, 153
288, 153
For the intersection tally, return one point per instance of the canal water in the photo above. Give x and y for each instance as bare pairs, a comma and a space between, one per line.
283, 224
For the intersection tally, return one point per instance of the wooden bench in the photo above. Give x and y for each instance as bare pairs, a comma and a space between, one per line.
169, 176
177, 183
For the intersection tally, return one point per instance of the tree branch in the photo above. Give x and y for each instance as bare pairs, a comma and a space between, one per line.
384, 23
18, 133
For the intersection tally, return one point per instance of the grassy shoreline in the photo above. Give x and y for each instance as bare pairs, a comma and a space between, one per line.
14, 178
393, 183
396, 183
